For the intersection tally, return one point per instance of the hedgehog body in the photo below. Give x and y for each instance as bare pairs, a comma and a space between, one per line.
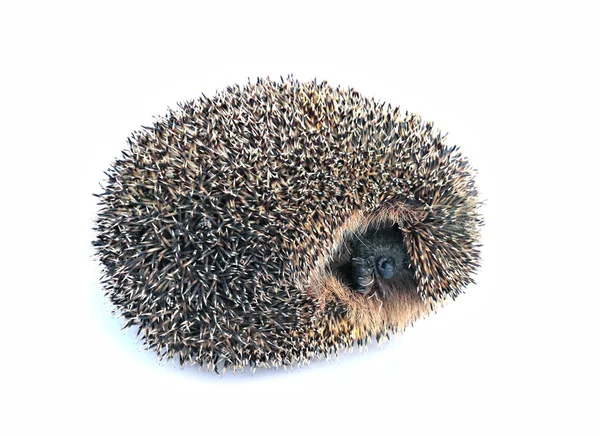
281, 221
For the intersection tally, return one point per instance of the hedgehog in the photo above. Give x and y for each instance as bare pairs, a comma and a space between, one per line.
283, 221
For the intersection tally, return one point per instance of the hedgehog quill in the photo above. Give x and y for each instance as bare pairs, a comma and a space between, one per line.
283, 221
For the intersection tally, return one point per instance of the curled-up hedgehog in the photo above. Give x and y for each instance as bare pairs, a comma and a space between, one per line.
282, 221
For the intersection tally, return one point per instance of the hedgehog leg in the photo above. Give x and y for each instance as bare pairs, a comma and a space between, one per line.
362, 274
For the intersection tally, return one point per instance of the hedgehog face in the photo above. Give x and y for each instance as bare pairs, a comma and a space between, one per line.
378, 263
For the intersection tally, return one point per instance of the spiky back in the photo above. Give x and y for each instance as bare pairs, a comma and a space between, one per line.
215, 221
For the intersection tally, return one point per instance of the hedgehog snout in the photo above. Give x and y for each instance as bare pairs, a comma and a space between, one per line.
386, 267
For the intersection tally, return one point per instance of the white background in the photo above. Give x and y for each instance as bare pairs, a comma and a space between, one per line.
515, 85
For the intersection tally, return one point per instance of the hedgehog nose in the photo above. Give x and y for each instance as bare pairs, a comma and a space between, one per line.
385, 267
